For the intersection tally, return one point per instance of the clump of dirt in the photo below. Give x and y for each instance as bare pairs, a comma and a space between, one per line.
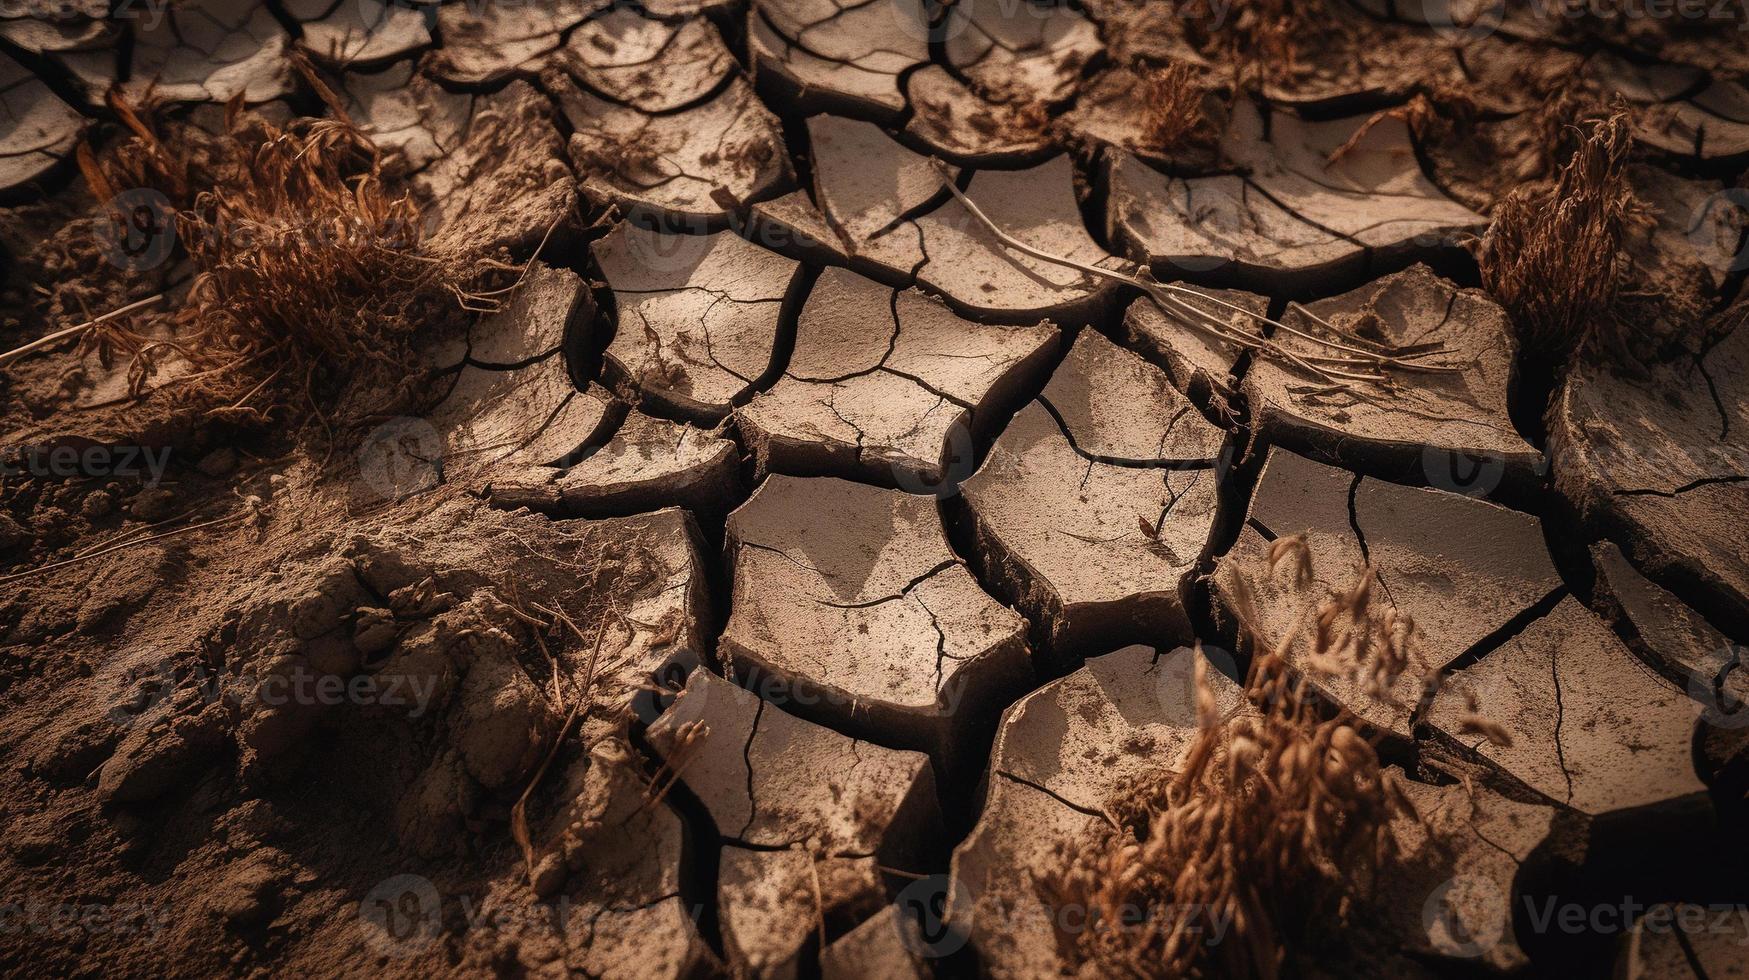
1279, 818
1553, 256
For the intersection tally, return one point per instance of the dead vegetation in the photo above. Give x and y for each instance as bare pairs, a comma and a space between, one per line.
1553, 256
310, 271
1260, 40
1278, 821
1341, 361
305, 262
1174, 114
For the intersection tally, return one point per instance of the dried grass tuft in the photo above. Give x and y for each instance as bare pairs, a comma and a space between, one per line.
1259, 39
1278, 821
1553, 257
309, 267
1174, 113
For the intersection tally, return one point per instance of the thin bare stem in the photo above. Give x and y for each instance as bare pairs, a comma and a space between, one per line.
73, 331
1167, 297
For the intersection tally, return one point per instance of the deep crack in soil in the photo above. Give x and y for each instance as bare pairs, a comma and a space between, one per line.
792, 557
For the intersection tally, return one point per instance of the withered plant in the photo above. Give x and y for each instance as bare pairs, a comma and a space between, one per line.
1277, 821
1174, 109
309, 269
1259, 40
1553, 256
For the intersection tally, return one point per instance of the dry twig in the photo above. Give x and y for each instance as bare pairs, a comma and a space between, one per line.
1345, 360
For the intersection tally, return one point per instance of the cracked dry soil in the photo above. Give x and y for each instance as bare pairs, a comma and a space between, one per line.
789, 572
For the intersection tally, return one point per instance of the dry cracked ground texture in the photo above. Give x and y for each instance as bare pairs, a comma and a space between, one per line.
888, 540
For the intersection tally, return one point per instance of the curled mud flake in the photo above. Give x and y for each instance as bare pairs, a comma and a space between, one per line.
403, 111
1095, 546
1061, 753
1694, 241
84, 43
533, 317
1452, 571
1116, 406
808, 817
40, 130
851, 593
698, 315
850, 57
506, 187
1712, 124
682, 169
1030, 52
1655, 462
901, 225
1298, 217
529, 416
646, 64
1441, 412
791, 225
1449, 892
1676, 107
865, 184
484, 44
895, 402
210, 51
1618, 736
957, 121
888, 944
649, 463
1653, 949
539, 317
362, 33
617, 856
1668, 634
977, 275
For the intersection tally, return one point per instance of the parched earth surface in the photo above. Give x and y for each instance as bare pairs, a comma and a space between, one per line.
791, 571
